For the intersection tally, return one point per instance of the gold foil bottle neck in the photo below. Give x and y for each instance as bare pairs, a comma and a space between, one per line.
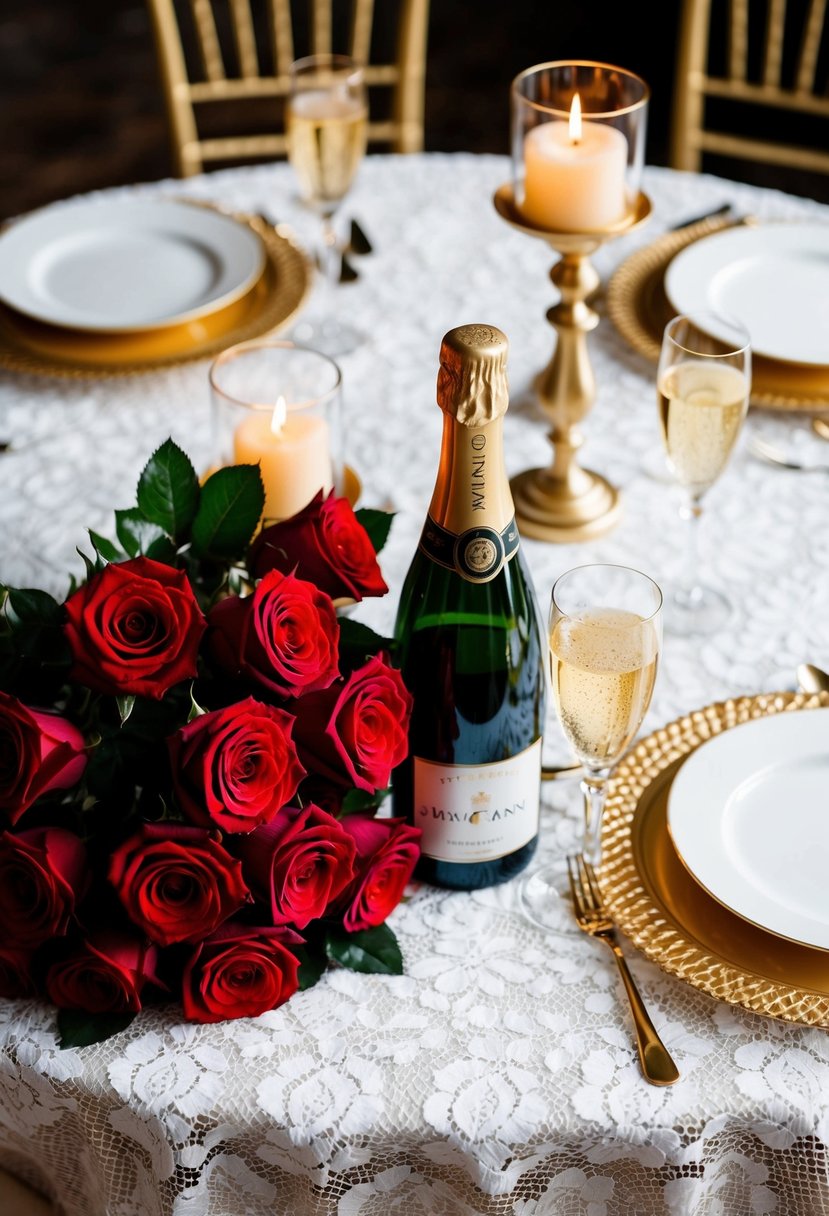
472, 380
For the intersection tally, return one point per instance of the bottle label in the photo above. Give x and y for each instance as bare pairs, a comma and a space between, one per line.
477, 812
477, 554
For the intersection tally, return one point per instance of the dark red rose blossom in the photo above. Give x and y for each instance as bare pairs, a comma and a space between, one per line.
177, 883
325, 543
298, 863
356, 732
284, 636
16, 972
104, 974
240, 971
387, 851
134, 628
39, 752
234, 768
43, 874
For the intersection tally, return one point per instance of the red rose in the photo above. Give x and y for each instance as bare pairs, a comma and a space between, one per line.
356, 732
134, 628
39, 752
176, 883
105, 974
236, 767
240, 971
43, 874
16, 973
387, 851
325, 543
298, 863
283, 636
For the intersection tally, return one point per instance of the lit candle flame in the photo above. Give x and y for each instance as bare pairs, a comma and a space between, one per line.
575, 119
280, 414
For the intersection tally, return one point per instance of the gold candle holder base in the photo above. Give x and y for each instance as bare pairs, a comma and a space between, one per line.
565, 502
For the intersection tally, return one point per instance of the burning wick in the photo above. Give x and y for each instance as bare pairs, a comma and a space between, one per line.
575, 119
280, 415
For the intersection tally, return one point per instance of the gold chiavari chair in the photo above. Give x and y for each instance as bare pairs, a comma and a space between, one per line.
239, 52
746, 70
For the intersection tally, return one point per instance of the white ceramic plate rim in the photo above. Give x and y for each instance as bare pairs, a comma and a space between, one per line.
797, 332
237, 250
696, 821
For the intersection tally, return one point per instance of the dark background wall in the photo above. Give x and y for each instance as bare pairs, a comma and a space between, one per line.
81, 107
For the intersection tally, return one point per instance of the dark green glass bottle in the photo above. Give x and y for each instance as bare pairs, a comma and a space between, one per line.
471, 647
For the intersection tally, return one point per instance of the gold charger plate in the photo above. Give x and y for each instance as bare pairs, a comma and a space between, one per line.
666, 914
639, 308
30, 346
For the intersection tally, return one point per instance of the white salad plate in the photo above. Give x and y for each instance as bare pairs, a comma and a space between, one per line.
747, 814
126, 266
774, 278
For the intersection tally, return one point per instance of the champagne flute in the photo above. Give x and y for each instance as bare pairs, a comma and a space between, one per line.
703, 385
605, 636
326, 124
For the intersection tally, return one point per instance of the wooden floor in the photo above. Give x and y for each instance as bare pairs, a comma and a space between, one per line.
80, 103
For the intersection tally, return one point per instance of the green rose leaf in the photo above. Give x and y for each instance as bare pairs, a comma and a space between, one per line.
125, 707
312, 964
372, 951
358, 642
377, 524
229, 509
29, 607
105, 548
77, 1029
356, 801
168, 490
140, 535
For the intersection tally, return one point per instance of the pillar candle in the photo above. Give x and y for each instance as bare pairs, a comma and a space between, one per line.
574, 185
293, 455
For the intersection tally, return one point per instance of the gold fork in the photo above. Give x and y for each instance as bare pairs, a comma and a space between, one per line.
591, 916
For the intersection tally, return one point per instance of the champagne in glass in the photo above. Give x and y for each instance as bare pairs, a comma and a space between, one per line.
605, 636
326, 123
703, 387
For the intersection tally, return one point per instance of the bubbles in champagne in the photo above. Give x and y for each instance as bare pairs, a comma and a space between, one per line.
326, 132
701, 407
603, 669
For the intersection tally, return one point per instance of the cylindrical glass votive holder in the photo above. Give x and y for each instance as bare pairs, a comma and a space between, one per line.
578, 145
279, 405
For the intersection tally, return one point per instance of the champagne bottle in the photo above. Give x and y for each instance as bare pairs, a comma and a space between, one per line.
470, 643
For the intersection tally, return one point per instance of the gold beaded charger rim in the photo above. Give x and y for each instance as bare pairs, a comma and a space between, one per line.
639, 308
666, 914
271, 303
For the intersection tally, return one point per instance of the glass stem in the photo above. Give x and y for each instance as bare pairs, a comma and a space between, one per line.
329, 260
691, 512
594, 788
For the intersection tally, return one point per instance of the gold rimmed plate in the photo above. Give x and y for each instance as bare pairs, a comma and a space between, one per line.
666, 914
275, 297
639, 308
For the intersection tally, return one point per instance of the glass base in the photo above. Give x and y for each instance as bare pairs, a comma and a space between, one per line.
545, 899
699, 612
330, 337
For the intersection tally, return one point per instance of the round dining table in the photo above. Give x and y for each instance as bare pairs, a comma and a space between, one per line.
498, 1075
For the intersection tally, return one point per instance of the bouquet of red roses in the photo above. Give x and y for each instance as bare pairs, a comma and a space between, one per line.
193, 749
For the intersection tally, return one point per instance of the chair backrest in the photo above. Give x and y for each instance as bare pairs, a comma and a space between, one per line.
239, 52
736, 55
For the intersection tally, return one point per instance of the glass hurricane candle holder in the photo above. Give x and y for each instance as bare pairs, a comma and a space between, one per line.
578, 140
578, 145
278, 404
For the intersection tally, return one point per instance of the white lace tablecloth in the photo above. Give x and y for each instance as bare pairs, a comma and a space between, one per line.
498, 1075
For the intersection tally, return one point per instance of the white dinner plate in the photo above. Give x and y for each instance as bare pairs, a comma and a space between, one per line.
748, 814
126, 266
772, 277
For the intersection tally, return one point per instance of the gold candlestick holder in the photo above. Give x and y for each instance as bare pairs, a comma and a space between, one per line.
565, 502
